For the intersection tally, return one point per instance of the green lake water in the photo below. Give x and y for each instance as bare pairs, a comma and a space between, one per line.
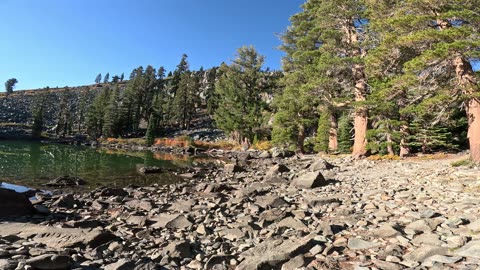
33, 164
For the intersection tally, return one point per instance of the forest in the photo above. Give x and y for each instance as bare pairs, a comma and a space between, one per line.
360, 77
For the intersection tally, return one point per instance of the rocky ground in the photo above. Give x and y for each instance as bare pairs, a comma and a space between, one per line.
262, 213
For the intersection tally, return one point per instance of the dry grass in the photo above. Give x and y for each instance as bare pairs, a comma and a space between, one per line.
223, 145
132, 141
182, 142
262, 145
384, 157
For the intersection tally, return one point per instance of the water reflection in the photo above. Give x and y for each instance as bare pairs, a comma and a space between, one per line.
33, 163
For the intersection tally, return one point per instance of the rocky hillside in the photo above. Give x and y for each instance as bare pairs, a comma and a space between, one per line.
17, 107
262, 213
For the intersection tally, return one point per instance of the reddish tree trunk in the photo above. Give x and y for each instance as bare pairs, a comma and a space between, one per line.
301, 140
390, 144
466, 78
361, 113
333, 134
404, 149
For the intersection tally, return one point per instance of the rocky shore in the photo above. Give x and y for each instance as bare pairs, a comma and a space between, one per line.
260, 212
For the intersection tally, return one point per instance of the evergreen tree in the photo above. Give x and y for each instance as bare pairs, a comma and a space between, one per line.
38, 116
111, 119
186, 98
240, 105
10, 85
122, 77
106, 78
96, 114
64, 121
115, 79
98, 79
344, 134
151, 130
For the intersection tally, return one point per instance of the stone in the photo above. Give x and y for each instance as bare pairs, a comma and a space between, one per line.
420, 254
315, 201
277, 169
295, 263
281, 153
232, 168
320, 165
443, 259
140, 204
56, 237
182, 205
271, 254
179, 249
309, 180
232, 234
385, 231
420, 226
14, 204
474, 226
270, 201
66, 181
386, 265
265, 154
290, 222
66, 201
427, 239
470, 250
122, 264
50, 262
108, 192
171, 221
223, 259
150, 170
358, 244
139, 221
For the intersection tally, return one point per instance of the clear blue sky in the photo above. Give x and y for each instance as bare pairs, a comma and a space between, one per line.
67, 42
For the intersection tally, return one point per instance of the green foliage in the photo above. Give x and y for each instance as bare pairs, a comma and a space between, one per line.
430, 138
111, 117
239, 88
106, 78
323, 132
96, 114
10, 85
344, 134
151, 130
38, 116
98, 79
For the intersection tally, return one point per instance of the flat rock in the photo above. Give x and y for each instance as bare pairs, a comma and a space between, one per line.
174, 221
140, 204
443, 259
385, 231
420, 254
321, 165
474, 226
309, 180
290, 222
470, 250
56, 237
270, 201
50, 262
357, 244
271, 254
122, 264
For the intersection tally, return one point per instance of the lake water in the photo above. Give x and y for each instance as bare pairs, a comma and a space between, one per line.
33, 164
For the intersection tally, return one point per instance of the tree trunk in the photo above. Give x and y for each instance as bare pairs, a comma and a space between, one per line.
466, 79
333, 134
390, 144
301, 140
361, 113
404, 148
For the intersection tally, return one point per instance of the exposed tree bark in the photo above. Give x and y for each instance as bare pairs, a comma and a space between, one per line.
333, 134
301, 139
361, 113
390, 144
404, 149
466, 79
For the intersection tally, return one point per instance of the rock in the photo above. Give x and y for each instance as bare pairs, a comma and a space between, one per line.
42, 209
474, 226
320, 165
56, 237
139, 221
277, 169
386, 265
420, 254
66, 201
232, 168
314, 201
140, 204
232, 234
309, 180
420, 226
50, 262
443, 259
183, 205
171, 221
150, 170
265, 154
66, 181
295, 263
14, 204
271, 254
470, 250
281, 153
179, 249
270, 201
122, 264
290, 222
385, 231
223, 259
427, 239
358, 244
108, 192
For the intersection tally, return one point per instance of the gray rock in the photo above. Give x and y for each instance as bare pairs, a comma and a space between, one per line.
470, 250
122, 264
179, 249
295, 263
427, 239
320, 165
56, 237
474, 226
443, 259
420, 254
357, 244
265, 154
222, 259
270, 201
271, 254
309, 180
107, 192
385, 231
66, 181
137, 220
140, 204
232, 168
50, 262
14, 204
290, 222
150, 170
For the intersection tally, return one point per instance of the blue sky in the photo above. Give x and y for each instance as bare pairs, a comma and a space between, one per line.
67, 43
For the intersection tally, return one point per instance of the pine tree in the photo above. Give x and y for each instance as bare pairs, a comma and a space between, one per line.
38, 116
111, 119
344, 134
10, 85
96, 114
151, 130
240, 106
98, 79
106, 78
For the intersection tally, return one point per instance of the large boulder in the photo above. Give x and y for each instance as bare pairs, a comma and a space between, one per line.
13, 204
50, 262
309, 180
